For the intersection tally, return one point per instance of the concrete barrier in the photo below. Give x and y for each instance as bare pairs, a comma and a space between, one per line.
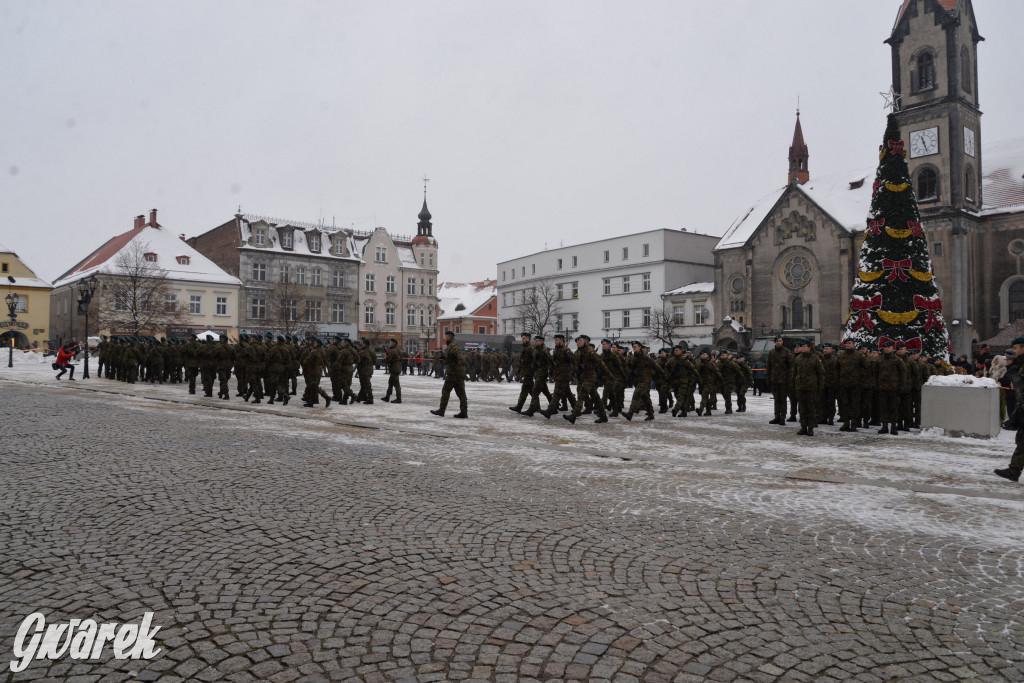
961, 411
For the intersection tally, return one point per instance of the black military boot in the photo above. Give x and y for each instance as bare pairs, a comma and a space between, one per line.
570, 417
792, 418
397, 400
650, 416
845, 427
884, 429
628, 415
810, 431
438, 412
728, 411
284, 401
894, 431
1006, 473
600, 420
516, 409
802, 432
547, 413
529, 412
386, 398
327, 402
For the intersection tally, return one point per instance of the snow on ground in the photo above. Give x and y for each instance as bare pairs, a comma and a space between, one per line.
914, 480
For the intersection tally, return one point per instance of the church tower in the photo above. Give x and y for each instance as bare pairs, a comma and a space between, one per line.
935, 71
798, 156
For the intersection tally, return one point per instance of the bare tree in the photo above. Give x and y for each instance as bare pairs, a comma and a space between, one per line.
138, 296
284, 306
539, 308
665, 328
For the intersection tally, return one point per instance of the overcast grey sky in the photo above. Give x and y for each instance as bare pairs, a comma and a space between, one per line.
538, 123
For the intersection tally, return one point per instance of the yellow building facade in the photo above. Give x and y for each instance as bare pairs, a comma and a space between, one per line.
31, 297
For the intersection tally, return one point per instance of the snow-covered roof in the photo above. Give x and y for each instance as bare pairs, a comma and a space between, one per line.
25, 281
167, 247
472, 295
354, 240
1002, 186
693, 288
844, 196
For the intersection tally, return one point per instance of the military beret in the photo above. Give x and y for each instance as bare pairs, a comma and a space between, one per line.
677, 346
449, 333
778, 337
193, 336
538, 336
223, 336
887, 343
901, 344
392, 341
1018, 340
704, 350
584, 336
559, 335
346, 340
606, 339
522, 334
636, 342
827, 345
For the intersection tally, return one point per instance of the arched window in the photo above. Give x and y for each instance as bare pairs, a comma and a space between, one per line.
965, 69
969, 184
1016, 300
925, 72
927, 184
785, 320
798, 314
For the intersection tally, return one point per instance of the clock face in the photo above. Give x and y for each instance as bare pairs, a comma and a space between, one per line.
924, 142
968, 142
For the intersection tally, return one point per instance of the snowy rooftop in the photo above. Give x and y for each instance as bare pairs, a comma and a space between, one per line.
1002, 186
471, 295
694, 288
167, 247
25, 281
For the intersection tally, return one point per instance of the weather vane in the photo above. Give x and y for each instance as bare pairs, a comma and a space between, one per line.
892, 99
425, 181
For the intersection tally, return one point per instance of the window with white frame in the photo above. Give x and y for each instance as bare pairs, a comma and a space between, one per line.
559, 294
678, 314
389, 314
423, 259
121, 298
607, 256
313, 240
646, 318
430, 316
150, 256
646, 283
625, 318
410, 286
607, 315
381, 254
646, 250
574, 289
286, 239
259, 237
575, 261
300, 275
316, 277
421, 317
337, 312
257, 308
259, 271
170, 302
625, 284
410, 317
606, 283
558, 323
558, 264
314, 311
575, 321
220, 305
283, 275
337, 277
195, 304
625, 253
369, 315
291, 310
533, 269
423, 286
389, 284
701, 315
430, 286
431, 260
370, 282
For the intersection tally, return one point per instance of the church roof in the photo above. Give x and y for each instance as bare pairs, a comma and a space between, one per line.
948, 5
1002, 185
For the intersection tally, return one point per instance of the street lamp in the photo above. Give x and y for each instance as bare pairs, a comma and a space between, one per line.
87, 288
12, 305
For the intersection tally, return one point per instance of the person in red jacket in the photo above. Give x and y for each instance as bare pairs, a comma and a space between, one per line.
64, 357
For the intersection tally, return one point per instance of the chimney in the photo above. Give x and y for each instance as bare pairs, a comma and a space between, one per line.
140, 220
152, 218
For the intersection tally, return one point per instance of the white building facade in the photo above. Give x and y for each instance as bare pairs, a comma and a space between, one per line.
608, 288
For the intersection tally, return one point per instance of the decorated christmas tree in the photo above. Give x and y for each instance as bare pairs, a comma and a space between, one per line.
895, 296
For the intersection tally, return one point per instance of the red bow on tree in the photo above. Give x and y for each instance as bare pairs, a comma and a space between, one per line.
863, 306
916, 227
930, 305
898, 268
875, 227
874, 188
912, 344
896, 146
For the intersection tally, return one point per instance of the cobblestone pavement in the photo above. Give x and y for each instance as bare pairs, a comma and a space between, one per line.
331, 544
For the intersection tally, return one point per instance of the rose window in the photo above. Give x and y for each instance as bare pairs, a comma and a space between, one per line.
796, 272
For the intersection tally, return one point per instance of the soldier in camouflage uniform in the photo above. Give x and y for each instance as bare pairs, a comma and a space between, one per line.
730, 378
709, 378
923, 373
367, 360
913, 376
563, 361
454, 377
892, 374
665, 400
541, 368
224, 359
525, 372
682, 375
345, 362
613, 379
830, 364
645, 370
312, 362
777, 371
277, 359
850, 369
591, 371
1015, 372
393, 361
808, 378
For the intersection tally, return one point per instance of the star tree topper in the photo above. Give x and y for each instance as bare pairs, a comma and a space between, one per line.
892, 99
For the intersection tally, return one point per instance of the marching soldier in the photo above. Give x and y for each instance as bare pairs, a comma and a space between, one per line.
367, 360
277, 360
591, 370
393, 360
562, 363
665, 400
743, 383
525, 373
645, 369
730, 377
541, 366
312, 363
613, 378
454, 377
709, 377
830, 365
346, 362
223, 359
850, 369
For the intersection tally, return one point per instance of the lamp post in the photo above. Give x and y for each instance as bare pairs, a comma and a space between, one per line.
12, 305
86, 289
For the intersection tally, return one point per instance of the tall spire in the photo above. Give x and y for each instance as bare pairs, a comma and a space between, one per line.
424, 229
798, 156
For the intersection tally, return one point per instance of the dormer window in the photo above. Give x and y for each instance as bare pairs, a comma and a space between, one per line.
183, 260
314, 242
339, 246
259, 237
149, 256
286, 239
